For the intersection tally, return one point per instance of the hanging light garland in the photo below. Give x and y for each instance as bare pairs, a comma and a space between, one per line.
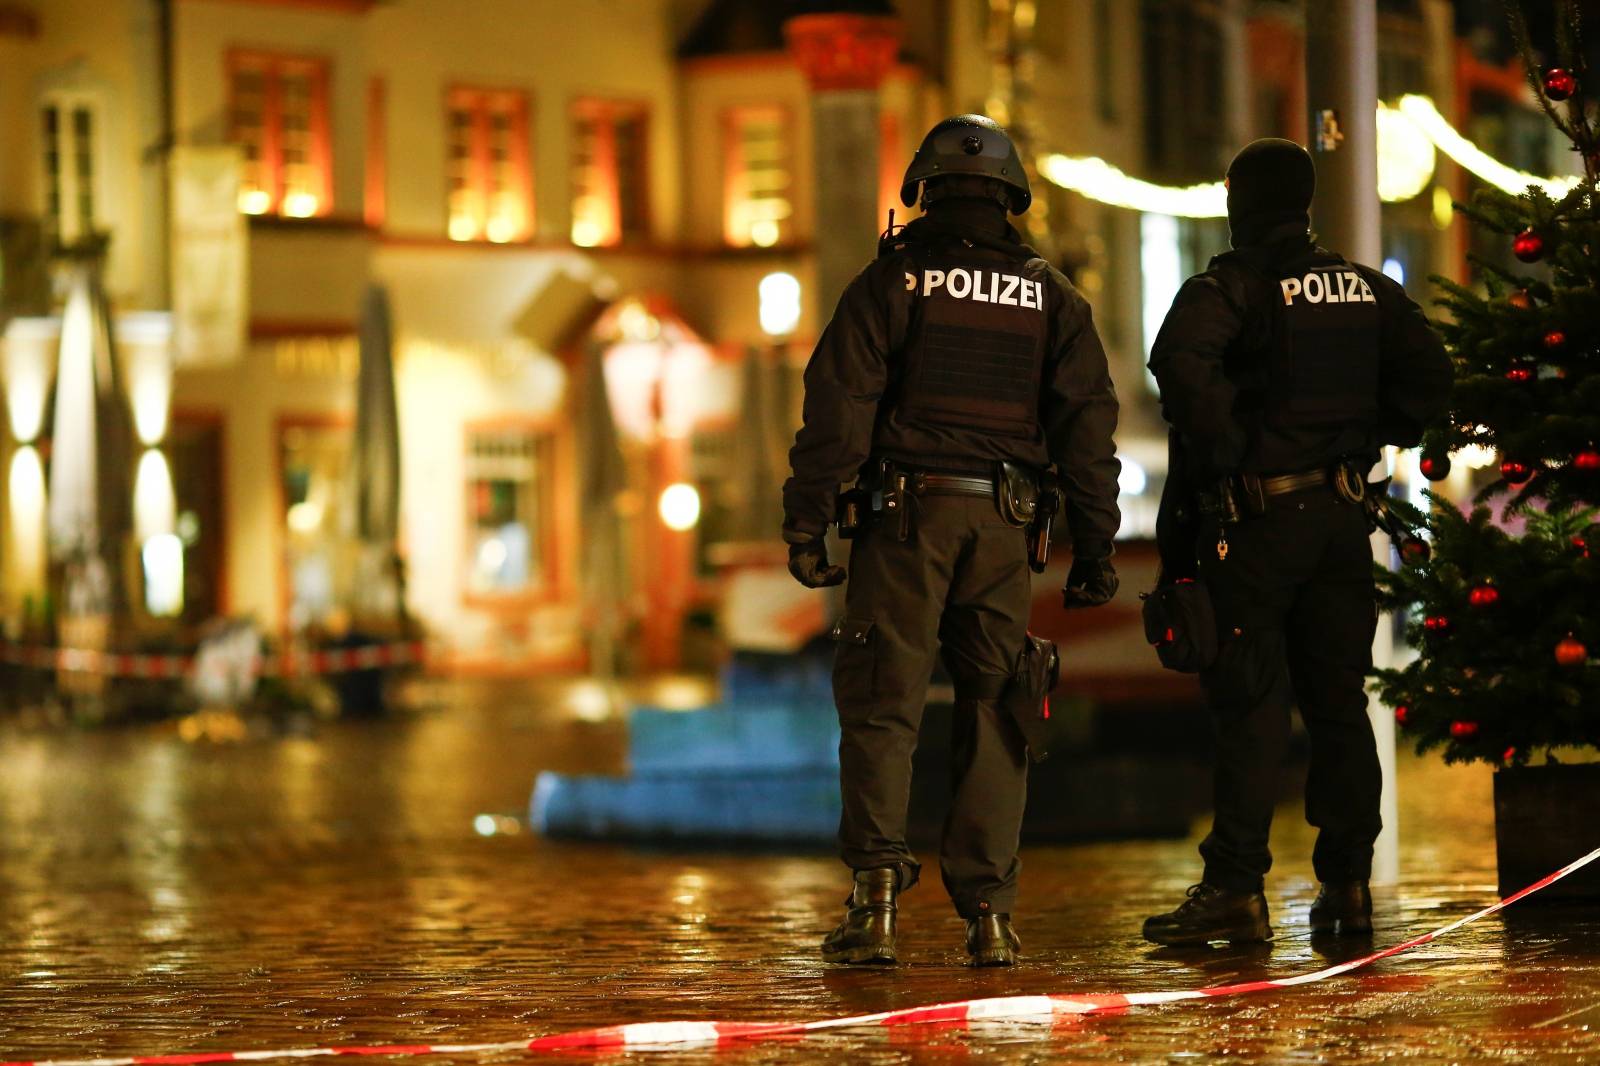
1407, 138
1099, 180
1434, 126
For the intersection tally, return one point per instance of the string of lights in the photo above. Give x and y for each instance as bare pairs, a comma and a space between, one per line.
1421, 111
1407, 138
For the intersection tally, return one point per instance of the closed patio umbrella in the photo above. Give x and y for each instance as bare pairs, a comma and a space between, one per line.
603, 475
91, 454
373, 512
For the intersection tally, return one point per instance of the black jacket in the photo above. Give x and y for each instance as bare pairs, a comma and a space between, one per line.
1206, 362
855, 367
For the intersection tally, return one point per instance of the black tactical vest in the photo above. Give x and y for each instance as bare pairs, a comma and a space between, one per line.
1311, 387
1323, 365
975, 343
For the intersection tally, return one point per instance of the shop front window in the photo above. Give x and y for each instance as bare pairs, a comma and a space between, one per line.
509, 503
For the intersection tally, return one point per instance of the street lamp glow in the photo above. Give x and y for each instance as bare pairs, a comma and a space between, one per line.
779, 294
680, 506
1406, 157
1133, 480
163, 575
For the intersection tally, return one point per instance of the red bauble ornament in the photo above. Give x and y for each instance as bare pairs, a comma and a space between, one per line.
1507, 755
1559, 83
1522, 373
1528, 246
1514, 472
1582, 545
1483, 596
1401, 713
1571, 651
1437, 623
1435, 467
1415, 550
1462, 730
1555, 340
1522, 300
1588, 459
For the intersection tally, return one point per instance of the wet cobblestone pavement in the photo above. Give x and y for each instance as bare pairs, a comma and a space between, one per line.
160, 896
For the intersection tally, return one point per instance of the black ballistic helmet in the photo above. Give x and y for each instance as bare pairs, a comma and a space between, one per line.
969, 144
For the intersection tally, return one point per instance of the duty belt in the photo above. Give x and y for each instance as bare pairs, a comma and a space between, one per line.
1283, 484
952, 485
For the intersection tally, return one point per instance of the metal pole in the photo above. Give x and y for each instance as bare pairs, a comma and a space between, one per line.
1342, 89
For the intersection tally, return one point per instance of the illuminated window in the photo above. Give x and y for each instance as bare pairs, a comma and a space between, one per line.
758, 209
510, 492
278, 113
70, 127
313, 457
610, 187
490, 187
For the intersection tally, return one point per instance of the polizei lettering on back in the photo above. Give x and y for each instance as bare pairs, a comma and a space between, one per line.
983, 286
1327, 286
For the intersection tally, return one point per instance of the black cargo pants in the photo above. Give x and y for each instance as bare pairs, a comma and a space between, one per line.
959, 584
1296, 613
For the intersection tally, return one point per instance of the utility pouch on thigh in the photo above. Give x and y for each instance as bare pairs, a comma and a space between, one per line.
1181, 625
1017, 494
1026, 698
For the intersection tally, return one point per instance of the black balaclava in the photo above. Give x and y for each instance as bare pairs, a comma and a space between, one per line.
1270, 185
967, 200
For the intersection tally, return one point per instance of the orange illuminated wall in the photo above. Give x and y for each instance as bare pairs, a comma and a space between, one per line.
891, 168
374, 208
278, 113
1277, 61
489, 166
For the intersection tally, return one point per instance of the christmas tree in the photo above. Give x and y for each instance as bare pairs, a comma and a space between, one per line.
1504, 603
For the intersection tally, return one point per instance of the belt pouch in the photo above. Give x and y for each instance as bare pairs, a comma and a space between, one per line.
1182, 626
1016, 494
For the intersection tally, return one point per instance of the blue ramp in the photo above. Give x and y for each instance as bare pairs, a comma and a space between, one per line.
794, 807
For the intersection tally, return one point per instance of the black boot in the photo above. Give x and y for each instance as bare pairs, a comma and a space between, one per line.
991, 941
867, 933
1342, 907
1212, 913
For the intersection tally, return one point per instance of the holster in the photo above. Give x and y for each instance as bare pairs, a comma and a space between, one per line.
879, 496
1233, 498
1030, 501
1026, 697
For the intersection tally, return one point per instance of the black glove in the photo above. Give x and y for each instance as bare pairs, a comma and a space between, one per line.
808, 563
1090, 583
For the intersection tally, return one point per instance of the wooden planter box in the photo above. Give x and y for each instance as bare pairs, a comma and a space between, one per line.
1544, 817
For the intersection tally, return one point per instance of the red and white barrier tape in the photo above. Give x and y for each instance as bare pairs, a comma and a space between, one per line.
136, 665
662, 1035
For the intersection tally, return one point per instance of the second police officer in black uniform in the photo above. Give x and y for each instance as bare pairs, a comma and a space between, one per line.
1283, 370
957, 350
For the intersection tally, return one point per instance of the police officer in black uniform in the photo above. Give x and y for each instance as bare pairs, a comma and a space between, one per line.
1283, 369
957, 349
